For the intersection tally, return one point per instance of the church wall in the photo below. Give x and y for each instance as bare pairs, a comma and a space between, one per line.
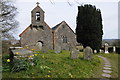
71, 40
33, 35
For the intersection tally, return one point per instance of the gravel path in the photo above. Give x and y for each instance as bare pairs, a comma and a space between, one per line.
106, 68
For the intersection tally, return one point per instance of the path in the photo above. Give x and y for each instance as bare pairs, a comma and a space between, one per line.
106, 68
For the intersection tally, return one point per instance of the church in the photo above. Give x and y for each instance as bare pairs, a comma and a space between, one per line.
39, 36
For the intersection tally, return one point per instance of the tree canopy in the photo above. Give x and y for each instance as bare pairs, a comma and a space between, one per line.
7, 18
89, 26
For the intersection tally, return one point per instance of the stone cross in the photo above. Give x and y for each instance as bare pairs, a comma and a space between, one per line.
37, 3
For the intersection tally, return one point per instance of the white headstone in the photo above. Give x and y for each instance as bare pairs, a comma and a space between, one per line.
106, 48
114, 49
95, 51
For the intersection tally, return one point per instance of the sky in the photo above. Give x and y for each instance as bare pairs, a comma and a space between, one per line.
60, 10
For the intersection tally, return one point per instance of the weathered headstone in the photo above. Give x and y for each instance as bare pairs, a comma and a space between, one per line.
74, 54
88, 53
22, 52
19, 52
57, 50
106, 48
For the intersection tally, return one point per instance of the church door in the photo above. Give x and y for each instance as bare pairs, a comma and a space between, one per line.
39, 45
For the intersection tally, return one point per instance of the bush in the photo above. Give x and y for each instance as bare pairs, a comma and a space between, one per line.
19, 63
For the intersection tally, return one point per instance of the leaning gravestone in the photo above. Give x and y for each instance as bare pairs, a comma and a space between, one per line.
88, 53
74, 54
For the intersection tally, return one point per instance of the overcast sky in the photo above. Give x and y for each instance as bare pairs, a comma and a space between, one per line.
59, 10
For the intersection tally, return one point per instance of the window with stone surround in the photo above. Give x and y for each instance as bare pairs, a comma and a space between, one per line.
64, 39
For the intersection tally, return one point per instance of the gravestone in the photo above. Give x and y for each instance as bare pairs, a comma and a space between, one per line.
101, 51
58, 50
74, 54
114, 49
106, 48
21, 52
95, 51
88, 53
17, 53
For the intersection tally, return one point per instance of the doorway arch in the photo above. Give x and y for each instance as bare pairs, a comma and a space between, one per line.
39, 44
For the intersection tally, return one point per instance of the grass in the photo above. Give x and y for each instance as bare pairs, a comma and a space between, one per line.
53, 65
113, 58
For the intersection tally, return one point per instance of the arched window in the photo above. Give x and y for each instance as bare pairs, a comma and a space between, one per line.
64, 39
38, 16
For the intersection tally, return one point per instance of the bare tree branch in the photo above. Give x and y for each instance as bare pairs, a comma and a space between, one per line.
78, 2
69, 3
52, 2
7, 18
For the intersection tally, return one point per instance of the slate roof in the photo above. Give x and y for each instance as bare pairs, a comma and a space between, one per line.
55, 27
38, 8
30, 26
58, 25
24, 31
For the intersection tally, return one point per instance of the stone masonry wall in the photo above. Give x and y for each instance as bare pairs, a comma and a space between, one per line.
33, 35
64, 30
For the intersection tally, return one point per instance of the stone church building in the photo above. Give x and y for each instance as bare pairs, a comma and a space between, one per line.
39, 36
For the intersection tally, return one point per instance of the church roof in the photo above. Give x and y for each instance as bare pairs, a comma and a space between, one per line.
37, 7
24, 31
31, 25
58, 26
55, 27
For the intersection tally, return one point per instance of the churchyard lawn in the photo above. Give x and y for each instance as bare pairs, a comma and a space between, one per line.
51, 65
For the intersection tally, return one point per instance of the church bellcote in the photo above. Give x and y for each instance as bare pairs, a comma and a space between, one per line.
37, 16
